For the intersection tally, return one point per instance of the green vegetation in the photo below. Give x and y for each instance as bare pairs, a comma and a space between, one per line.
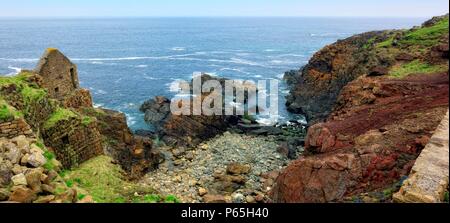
7, 112
28, 91
446, 197
87, 120
423, 37
171, 199
59, 115
426, 36
416, 67
386, 43
369, 43
104, 181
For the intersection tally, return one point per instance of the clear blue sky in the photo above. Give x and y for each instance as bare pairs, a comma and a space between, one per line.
126, 8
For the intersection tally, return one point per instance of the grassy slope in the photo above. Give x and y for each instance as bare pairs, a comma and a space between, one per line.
104, 181
415, 42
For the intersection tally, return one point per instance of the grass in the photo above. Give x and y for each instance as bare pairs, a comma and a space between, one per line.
416, 67
8, 112
105, 182
29, 92
87, 120
59, 115
426, 36
386, 43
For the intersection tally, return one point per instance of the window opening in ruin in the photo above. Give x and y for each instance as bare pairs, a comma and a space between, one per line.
65, 139
72, 76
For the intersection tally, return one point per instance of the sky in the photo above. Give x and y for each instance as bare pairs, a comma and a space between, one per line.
184, 8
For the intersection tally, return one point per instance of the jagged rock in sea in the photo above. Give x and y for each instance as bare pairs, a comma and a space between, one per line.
190, 130
369, 129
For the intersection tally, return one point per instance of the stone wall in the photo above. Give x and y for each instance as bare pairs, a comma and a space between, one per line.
15, 127
59, 75
79, 98
428, 179
74, 142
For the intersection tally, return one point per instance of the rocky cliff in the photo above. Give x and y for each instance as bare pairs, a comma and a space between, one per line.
373, 100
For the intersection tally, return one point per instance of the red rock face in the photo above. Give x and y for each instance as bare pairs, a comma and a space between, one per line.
366, 144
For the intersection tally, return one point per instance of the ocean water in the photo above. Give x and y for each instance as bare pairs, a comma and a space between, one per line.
127, 61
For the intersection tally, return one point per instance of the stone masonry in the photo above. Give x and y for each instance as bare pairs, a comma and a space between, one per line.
14, 128
428, 179
59, 75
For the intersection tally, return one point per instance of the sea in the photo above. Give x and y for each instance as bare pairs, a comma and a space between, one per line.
125, 61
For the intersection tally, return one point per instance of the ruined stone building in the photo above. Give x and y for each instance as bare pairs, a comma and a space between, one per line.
59, 75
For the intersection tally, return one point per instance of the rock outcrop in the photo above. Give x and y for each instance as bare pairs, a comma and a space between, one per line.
189, 130
316, 86
374, 126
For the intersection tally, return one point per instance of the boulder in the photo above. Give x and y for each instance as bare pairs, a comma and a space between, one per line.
37, 159
238, 169
22, 194
19, 179
33, 177
5, 173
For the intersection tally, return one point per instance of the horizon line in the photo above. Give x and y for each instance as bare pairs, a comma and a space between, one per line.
219, 16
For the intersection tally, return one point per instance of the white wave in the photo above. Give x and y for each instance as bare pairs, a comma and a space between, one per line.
242, 54
257, 76
234, 69
98, 105
101, 92
29, 60
131, 120
96, 62
151, 78
112, 59
283, 62
178, 48
174, 86
142, 66
329, 34
270, 50
280, 76
267, 121
15, 69
287, 55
